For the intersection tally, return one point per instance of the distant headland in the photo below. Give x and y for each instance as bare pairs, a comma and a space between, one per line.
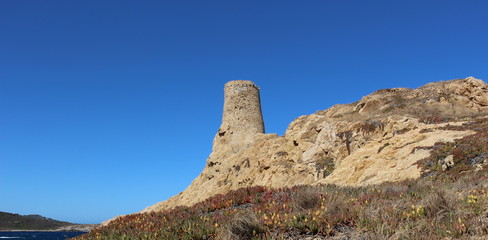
16, 222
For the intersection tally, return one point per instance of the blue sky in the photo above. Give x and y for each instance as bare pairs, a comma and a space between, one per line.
107, 107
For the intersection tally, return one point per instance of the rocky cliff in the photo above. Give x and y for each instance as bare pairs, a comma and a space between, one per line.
377, 139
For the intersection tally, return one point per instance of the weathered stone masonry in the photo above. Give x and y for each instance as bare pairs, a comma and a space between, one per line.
242, 117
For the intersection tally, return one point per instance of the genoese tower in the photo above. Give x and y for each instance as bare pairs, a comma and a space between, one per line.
242, 117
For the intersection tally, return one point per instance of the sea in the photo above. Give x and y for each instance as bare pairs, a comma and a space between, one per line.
38, 235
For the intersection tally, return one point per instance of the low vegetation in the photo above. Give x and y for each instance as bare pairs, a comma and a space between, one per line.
467, 153
425, 209
445, 203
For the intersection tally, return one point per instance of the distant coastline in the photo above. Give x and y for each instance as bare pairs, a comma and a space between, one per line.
39, 235
11, 222
31, 230
74, 228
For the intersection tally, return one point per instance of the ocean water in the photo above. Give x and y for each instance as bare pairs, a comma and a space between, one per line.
38, 235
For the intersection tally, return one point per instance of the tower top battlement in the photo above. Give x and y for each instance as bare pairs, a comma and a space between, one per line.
240, 83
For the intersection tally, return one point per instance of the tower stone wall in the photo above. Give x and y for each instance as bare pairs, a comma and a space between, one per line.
242, 117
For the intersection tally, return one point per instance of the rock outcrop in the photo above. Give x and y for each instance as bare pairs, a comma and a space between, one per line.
377, 139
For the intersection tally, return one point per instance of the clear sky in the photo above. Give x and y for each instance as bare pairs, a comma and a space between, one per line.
107, 107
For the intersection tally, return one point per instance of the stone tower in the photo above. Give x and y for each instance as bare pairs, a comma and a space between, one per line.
242, 117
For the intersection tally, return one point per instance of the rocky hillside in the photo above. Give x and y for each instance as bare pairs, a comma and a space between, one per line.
449, 201
378, 139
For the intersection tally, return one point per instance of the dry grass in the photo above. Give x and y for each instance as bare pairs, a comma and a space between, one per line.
440, 205
244, 225
307, 199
